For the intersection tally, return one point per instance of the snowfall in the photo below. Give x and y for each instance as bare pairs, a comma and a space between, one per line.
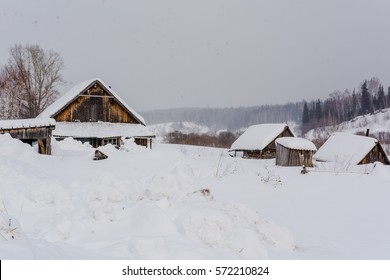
185, 202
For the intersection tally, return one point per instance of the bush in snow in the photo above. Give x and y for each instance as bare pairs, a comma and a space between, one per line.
9, 227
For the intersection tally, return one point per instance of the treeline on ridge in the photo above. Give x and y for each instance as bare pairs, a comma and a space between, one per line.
344, 106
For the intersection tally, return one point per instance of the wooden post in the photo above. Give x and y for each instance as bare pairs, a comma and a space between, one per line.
42, 146
48, 145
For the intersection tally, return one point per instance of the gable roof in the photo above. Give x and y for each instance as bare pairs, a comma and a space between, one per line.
259, 136
74, 92
296, 143
346, 148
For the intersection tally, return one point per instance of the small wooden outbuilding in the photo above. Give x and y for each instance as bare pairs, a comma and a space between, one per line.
294, 151
351, 149
30, 131
258, 141
92, 112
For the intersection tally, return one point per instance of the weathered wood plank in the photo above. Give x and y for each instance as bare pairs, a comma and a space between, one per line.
92, 109
31, 134
291, 157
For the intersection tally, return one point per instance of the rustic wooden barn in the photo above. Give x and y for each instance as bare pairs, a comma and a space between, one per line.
92, 112
294, 151
258, 141
351, 149
30, 131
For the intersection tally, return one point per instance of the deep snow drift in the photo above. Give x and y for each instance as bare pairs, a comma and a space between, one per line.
183, 202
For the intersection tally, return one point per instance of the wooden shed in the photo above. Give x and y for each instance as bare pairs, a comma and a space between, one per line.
92, 112
258, 141
351, 149
30, 131
294, 151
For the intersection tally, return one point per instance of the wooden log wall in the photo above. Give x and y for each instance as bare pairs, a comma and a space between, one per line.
30, 134
256, 154
376, 154
290, 157
141, 141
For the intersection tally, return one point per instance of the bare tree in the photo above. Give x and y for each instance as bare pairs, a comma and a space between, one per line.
29, 81
10, 97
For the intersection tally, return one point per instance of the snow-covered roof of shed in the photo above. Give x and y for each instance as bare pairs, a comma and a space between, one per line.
100, 130
26, 123
258, 136
345, 148
296, 143
72, 94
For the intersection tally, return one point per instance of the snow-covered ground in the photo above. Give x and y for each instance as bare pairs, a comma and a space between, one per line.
185, 202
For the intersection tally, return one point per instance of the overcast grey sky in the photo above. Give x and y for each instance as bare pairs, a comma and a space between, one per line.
208, 53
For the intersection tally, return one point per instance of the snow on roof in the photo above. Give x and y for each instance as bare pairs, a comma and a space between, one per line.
258, 136
296, 143
76, 90
100, 130
346, 148
26, 123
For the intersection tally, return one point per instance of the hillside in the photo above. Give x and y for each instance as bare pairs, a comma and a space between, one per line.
231, 119
185, 202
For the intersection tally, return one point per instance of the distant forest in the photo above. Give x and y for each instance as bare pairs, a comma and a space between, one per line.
230, 119
344, 106
340, 106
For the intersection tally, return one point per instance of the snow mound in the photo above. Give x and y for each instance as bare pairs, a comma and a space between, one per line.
149, 204
71, 144
15, 148
230, 227
129, 145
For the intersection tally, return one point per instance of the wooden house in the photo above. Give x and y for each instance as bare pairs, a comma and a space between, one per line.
31, 131
92, 112
258, 141
351, 149
294, 151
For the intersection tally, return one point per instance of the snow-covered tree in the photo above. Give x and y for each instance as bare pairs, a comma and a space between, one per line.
366, 99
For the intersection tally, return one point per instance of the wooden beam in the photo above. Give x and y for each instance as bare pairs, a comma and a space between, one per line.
92, 95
